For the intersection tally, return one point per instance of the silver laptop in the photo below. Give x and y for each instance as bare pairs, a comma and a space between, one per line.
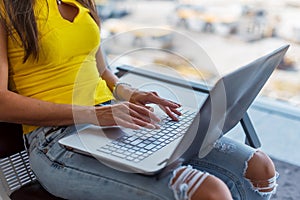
155, 151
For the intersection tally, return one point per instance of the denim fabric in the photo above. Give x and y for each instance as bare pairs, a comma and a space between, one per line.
71, 175
228, 161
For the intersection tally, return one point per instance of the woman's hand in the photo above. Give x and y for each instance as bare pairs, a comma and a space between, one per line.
127, 115
143, 98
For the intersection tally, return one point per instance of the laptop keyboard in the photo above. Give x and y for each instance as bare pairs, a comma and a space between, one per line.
144, 142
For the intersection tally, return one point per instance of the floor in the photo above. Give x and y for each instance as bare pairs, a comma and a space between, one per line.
288, 182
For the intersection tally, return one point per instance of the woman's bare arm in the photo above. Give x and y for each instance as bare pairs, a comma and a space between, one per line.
24, 110
20, 109
133, 95
105, 73
124, 91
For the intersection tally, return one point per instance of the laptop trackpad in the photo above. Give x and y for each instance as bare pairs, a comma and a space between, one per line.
93, 137
113, 132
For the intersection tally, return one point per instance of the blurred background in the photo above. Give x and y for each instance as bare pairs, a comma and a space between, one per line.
231, 32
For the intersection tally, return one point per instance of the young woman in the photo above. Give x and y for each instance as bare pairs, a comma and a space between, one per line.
51, 70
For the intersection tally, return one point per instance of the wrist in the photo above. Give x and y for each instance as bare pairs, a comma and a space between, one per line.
122, 91
84, 115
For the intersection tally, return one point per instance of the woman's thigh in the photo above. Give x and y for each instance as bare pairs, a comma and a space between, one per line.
228, 161
75, 176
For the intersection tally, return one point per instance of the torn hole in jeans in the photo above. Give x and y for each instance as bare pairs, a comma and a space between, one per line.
187, 182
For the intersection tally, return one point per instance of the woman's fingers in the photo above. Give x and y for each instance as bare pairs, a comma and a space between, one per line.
169, 107
170, 113
134, 114
154, 98
126, 124
177, 112
144, 113
133, 123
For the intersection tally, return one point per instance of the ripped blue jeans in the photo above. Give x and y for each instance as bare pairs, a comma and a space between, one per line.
72, 175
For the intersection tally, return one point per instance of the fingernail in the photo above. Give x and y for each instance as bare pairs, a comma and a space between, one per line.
157, 119
151, 126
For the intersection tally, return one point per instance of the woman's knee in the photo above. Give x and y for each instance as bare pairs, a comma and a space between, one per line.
261, 172
189, 183
213, 189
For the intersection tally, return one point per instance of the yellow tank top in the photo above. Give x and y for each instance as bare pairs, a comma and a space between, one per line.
66, 70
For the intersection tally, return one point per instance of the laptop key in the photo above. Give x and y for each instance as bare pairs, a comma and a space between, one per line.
136, 142
104, 150
144, 142
150, 146
120, 155
129, 158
